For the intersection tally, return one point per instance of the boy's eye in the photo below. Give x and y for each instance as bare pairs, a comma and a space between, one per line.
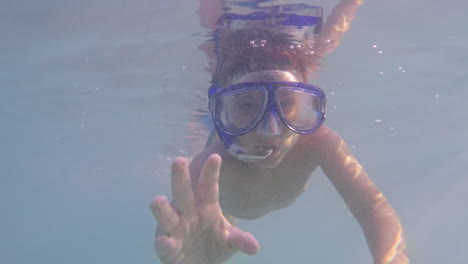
245, 106
287, 103
248, 103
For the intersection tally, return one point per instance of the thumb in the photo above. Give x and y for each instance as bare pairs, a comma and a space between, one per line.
243, 241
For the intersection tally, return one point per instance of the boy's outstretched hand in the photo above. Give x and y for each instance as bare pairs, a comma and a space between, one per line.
194, 230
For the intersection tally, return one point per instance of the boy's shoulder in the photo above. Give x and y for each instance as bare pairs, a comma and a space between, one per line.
320, 142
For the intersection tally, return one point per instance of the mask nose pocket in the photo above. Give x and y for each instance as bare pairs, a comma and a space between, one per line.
271, 124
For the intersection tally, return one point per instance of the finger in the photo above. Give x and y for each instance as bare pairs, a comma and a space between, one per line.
208, 188
243, 241
165, 215
182, 187
209, 11
164, 246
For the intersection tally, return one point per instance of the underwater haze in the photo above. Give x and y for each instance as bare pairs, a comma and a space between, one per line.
95, 97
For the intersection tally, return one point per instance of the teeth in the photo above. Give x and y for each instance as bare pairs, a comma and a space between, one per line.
241, 154
257, 157
266, 151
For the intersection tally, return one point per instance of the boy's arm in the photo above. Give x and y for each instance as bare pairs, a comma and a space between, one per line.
337, 23
208, 12
379, 221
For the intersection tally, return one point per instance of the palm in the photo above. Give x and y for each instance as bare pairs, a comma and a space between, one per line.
194, 229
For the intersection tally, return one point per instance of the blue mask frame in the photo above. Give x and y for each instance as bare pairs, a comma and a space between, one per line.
270, 105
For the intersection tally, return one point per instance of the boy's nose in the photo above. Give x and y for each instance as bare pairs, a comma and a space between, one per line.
270, 125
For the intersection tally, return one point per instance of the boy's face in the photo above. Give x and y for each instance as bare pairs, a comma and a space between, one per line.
270, 133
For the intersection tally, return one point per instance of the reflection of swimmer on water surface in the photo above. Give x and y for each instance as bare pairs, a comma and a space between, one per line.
270, 137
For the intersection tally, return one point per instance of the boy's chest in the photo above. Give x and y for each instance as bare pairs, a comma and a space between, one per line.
250, 194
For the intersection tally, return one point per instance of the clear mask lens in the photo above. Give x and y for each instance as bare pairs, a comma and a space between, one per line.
238, 110
299, 108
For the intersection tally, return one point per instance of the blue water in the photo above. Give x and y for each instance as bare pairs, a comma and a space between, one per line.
95, 97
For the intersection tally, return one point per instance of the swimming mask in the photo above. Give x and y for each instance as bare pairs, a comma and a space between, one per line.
240, 108
237, 109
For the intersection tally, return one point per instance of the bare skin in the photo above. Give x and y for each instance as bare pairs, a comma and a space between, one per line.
193, 230
337, 23
249, 192
197, 227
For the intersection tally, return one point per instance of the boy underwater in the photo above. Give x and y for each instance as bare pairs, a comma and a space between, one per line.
270, 138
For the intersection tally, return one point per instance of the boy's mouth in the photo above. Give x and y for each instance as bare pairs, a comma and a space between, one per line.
265, 151
258, 155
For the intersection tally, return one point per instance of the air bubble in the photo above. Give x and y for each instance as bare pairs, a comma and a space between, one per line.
256, 43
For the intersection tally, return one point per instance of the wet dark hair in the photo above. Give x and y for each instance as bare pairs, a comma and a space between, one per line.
242, 51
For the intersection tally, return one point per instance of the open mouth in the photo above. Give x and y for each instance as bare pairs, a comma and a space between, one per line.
259, 154
264, 151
